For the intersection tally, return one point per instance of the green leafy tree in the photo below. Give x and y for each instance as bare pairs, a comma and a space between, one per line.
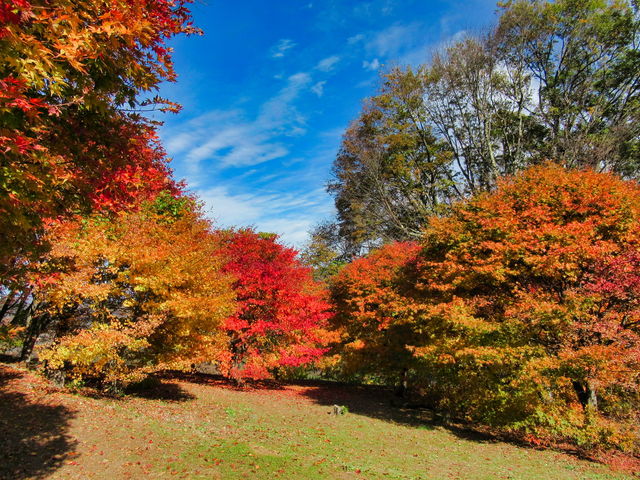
581, 59
554, 80
321, 254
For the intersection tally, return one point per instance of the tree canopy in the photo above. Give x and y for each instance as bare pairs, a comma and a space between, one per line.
517, 311
74, 77
553, 81
281, 318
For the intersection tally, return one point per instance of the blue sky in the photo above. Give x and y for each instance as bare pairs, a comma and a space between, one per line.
270, 87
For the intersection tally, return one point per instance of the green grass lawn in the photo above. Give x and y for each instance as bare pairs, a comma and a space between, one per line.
209, 430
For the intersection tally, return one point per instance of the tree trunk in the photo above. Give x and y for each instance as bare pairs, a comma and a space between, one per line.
36, 325
592, 401
20, 315
586, 394
8, 303
401, 390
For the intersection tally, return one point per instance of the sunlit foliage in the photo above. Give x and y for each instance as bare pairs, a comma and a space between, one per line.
368, 303
519, 311
74, 76
281, 320
141, 289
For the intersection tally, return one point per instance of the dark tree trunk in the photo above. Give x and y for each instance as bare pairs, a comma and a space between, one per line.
8, 303
20, 316
37, 323
586, 394
401, 390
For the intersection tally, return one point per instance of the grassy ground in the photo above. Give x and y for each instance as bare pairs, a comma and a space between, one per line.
204, 429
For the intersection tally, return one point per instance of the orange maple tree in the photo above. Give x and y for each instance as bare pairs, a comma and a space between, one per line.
519, 309
134, 292
522, 291
367, 300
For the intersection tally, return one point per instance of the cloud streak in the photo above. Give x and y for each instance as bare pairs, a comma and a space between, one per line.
318, 88
291, 215
328, 64
280, 49
224, 139
393, 40
372, 65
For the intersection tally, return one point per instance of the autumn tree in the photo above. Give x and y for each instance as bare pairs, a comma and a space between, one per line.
526, 296
518, 309
554, 80
281, 318
367, 298
140, 290
74, 78
322, 252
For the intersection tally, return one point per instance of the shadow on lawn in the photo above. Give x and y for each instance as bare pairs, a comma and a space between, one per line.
164, 385
366, 400
381, 403
33, 432
220, 381
153, 388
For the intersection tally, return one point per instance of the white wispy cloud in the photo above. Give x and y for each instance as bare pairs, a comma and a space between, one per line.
356, 39
229, 139
421, 53
393, 40
229, 209
327, 64
232, 142
281, 48
400, 43
373, 9
279, 113
318, 88
372, 65
292, 230
291, 215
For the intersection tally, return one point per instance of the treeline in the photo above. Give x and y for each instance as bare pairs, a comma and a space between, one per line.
484, 257
104, 258
157, 287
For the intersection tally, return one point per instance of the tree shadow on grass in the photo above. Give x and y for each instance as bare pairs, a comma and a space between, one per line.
381, 403
367, 400
33, 431
154, 388
214, 380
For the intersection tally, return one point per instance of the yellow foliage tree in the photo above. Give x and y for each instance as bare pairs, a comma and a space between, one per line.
140, 290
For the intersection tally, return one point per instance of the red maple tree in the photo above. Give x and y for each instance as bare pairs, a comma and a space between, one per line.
281, 318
